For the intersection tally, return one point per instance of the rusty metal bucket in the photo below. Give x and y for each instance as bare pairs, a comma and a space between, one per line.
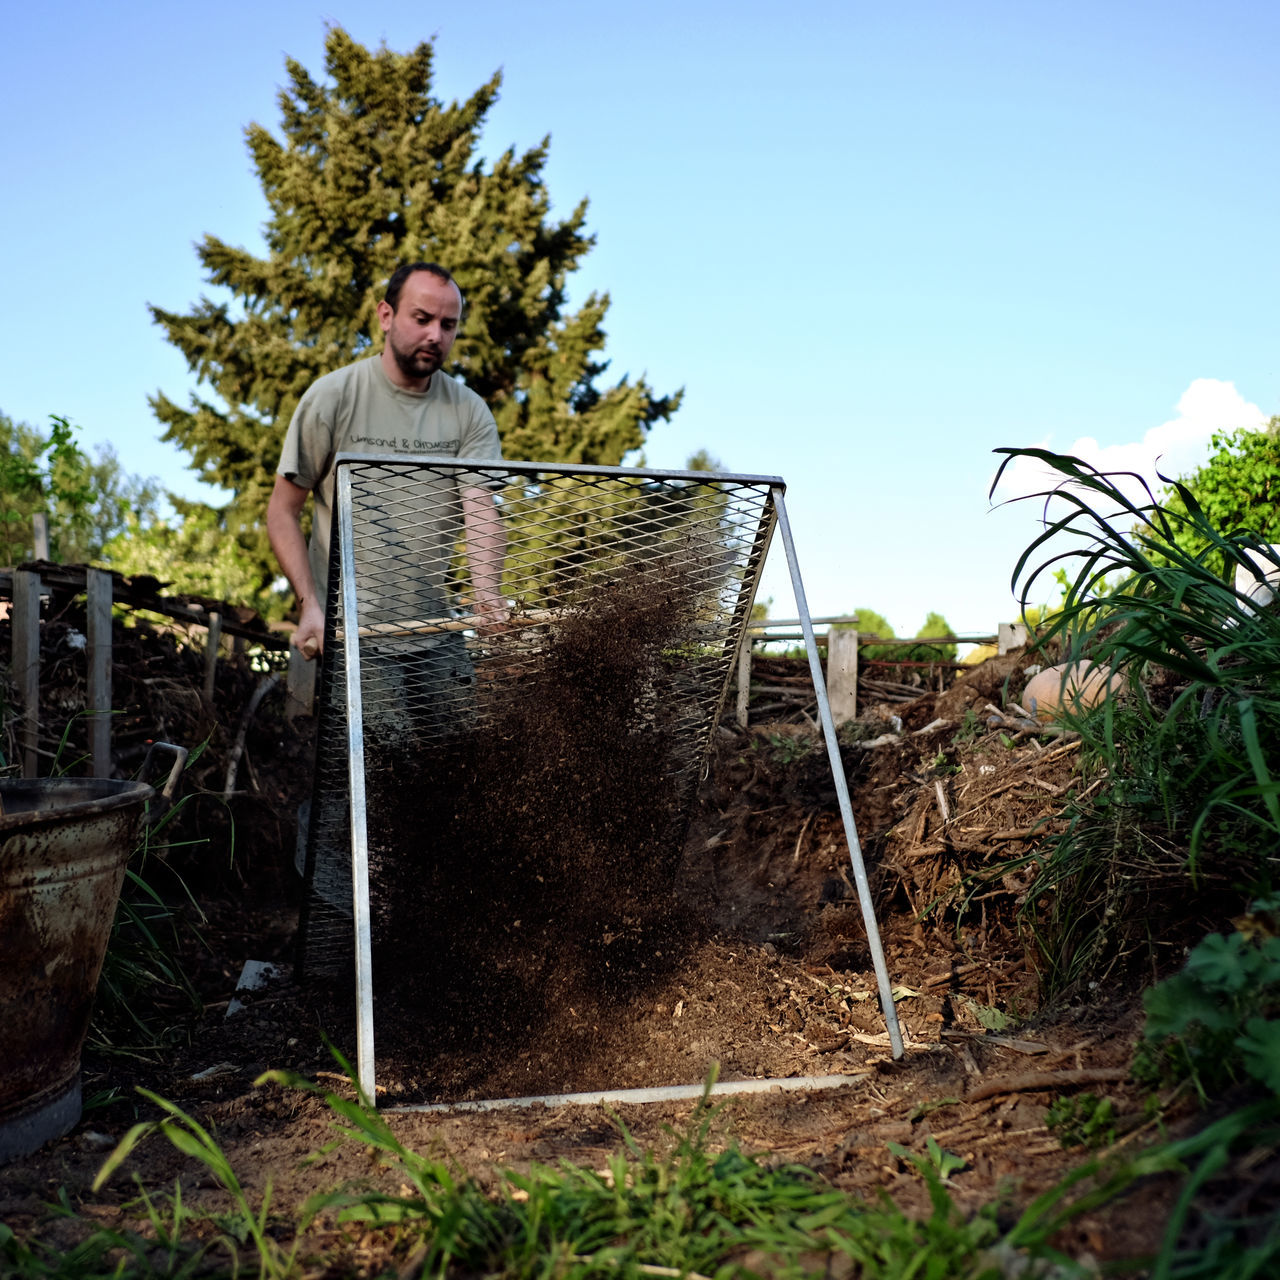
64, 843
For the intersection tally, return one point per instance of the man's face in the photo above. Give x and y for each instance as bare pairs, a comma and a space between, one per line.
421, 330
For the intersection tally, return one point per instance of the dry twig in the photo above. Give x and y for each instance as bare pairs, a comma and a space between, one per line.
1047, 1080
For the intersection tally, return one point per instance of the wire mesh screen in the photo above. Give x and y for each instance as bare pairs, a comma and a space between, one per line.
529, 767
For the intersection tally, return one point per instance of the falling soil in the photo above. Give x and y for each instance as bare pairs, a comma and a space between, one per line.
523, 873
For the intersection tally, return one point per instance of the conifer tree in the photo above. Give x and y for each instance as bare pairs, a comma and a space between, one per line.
372, 171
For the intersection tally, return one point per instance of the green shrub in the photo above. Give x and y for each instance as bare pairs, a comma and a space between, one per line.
1217, 1022
1082, 1121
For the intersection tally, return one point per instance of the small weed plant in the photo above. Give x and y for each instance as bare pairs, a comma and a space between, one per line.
934, 1164
1082, 1121
972, 727
785, 749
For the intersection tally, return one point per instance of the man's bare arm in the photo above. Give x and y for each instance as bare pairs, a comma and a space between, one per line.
284, 529
486, 553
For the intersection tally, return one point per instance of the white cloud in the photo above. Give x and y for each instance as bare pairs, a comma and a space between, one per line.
1174, 448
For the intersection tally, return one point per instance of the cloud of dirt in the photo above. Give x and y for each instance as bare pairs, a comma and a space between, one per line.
527, 863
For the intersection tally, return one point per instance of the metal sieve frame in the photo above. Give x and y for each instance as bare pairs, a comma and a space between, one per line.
344, 597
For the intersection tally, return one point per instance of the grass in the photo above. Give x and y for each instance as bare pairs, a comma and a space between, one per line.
1186, 828
245, 1225
1185, 831
142, 961
691, 1210
165, 1242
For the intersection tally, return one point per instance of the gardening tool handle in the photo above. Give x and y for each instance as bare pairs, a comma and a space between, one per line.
180, 759
159, 807
516, 618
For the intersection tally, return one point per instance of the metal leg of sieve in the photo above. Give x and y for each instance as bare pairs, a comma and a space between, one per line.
355, 765
842, 786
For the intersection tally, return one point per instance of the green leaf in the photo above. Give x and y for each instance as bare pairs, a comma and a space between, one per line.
1179, 1003
1222, 962
123, 1149
1260, 1048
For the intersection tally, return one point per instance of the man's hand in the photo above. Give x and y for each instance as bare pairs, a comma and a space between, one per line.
308, 639
493, 616
285, 532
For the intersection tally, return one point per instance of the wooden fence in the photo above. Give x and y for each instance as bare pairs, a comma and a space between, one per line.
27, 586
843, 641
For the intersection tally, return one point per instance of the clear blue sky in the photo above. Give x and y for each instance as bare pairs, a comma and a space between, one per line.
872, 242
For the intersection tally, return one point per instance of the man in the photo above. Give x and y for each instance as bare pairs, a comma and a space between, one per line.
399, 402
415, 687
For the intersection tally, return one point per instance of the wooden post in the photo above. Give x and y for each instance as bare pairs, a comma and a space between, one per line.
98, 609
300, 689
26, 663
1010, 636
213, 641
842, 673
40, 535
744, 678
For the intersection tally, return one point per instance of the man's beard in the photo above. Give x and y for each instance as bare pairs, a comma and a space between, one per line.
414, 363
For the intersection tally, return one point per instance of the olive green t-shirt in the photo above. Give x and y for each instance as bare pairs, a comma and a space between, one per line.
357, 409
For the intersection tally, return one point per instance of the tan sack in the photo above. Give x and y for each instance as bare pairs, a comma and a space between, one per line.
1074, 686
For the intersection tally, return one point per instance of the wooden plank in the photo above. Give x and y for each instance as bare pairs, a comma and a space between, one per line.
842, 674
869, 637
744, 679
98, 609
212, 644
300, 689
40, 535
127, 593
26, 664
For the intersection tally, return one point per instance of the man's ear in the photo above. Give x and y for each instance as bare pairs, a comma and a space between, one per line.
384, 314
